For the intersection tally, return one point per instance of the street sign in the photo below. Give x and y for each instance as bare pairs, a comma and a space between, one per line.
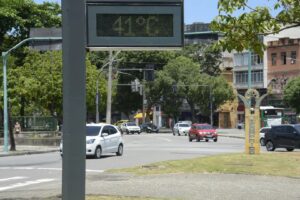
134, 24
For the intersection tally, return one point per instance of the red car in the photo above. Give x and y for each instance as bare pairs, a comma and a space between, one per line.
203, 132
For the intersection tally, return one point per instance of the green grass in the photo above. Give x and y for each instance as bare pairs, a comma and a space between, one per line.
100, 197
270, 164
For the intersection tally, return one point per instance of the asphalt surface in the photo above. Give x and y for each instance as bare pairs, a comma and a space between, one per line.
43, 173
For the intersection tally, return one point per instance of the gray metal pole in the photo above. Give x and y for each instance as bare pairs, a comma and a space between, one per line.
5, 120
97, 101
109, 88
144, 97
211, 106
74, 103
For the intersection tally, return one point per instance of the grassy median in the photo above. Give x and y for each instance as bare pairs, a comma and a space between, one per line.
97, 197
270, 164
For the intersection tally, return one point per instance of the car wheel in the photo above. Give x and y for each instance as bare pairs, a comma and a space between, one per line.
120, 150
127, 132
290, 149
139, 132
216, 139
198, 139
262, 142
190, 139
270, 146
206, 140
98, 152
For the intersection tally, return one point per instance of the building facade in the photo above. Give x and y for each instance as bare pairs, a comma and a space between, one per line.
283, 64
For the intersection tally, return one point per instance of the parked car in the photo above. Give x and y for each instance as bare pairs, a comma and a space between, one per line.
149, 128
283, 136
262, 133
203, 132
130, 127
181, 129
102, 139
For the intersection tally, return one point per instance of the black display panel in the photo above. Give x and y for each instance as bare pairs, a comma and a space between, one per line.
134, 25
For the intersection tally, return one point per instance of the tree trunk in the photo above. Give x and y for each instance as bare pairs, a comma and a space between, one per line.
193, 111
11, 133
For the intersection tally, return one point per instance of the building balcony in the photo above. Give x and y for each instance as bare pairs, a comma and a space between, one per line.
245, 68
255, 85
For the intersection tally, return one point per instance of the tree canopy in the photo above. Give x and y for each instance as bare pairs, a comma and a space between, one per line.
181, 80
292, 93
18, 16
242, 31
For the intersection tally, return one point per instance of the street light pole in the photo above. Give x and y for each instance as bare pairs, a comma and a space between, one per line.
211, 106
97, 101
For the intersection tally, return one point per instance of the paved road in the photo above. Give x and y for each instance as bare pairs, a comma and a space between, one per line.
40, 174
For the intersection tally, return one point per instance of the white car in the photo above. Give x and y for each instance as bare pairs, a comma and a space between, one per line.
262, 133
181, 129
130, 127
101, 139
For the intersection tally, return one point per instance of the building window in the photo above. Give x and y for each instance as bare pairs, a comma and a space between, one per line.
256, 59
293, 57
242, 77
273, 57
283, 58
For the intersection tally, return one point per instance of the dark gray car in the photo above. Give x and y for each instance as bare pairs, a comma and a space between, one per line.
283, 136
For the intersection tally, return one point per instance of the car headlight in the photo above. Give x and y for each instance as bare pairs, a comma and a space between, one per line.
90, 141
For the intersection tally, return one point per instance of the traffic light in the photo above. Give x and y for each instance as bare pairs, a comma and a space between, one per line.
149, 72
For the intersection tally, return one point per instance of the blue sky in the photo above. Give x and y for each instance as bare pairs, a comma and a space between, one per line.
199, 10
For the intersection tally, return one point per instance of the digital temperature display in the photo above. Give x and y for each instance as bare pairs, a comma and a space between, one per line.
134, 25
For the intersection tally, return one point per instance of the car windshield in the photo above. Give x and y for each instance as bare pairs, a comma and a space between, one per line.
92, 130
264, 130
131, 124
184, 125
297, 127
204, 127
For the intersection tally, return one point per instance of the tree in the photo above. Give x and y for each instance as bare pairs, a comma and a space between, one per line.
125, 100
243, 31
207, 55
39, 82
18, 16
292, 93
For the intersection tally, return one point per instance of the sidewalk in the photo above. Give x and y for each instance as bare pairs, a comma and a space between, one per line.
23, 150
233, 133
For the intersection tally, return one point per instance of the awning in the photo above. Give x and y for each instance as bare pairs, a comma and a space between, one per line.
139, 116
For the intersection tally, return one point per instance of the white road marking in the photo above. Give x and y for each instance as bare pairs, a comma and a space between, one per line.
12, 178
44, 168
17, 185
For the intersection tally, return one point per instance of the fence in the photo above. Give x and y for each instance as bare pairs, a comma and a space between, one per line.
33, 123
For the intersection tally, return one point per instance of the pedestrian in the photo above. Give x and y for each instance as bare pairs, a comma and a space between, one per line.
17, 129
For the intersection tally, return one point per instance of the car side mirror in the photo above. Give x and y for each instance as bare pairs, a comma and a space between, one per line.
104, 134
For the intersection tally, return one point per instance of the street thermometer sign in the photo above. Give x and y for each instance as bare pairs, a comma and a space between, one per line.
134, 24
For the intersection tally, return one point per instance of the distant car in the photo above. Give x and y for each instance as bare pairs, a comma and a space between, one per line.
203, 132
283, 136
181, 129
241, 125
262, 132
118, 123
130, 127
186, 122
101, 139
149, 128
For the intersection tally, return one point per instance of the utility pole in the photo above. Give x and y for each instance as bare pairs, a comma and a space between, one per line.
109, 88
97, 101
144, 96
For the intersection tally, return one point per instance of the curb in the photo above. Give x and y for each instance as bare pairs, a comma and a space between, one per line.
26, 153
232, 136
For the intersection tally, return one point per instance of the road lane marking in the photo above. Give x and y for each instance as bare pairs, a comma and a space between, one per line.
45, 168
17, 185
12, 178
